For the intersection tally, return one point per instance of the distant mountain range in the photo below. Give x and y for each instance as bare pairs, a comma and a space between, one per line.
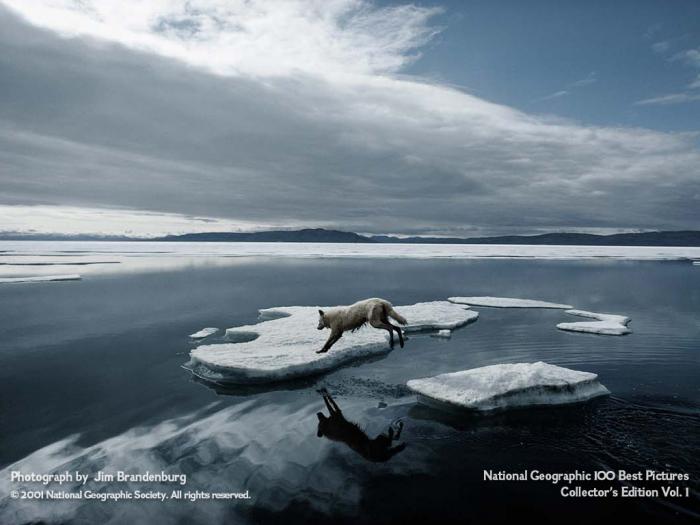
305, 235
660, 238
663, 238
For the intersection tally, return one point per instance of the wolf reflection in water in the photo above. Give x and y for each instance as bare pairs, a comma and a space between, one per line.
336, 428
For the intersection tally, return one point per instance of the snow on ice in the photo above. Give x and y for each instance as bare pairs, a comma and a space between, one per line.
204, 332
283, 346
604, 324
506, 302
506, 386
40, 278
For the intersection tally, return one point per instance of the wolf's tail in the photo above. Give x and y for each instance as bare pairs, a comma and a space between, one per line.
396, 316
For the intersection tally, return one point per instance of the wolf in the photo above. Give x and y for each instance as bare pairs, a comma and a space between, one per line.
336, 428
374, 311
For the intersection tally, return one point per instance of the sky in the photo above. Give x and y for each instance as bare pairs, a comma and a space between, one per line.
464, 118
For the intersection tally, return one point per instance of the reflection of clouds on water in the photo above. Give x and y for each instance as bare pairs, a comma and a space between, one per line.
267, 445
258, 446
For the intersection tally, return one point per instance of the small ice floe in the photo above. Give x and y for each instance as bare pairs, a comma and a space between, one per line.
446, 334
506, 386
41, 278
285, 343
696, 263
604, 324
506, 302
436, 315
204, 332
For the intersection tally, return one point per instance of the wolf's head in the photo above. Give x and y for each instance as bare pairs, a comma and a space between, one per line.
321, 320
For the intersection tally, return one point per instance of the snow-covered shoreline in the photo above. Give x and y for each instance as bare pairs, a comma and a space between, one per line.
40, 278
37, 258
305, 249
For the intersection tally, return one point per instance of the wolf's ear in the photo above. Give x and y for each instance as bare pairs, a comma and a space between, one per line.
320, 312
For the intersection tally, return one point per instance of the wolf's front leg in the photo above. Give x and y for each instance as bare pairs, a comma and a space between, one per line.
332, 339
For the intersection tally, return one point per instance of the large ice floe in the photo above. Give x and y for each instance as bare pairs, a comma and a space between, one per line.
283, 345
506, 302
41, 278
604, 324
506, 386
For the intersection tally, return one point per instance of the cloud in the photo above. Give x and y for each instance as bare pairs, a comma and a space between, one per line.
586, 81
556, 94
328, 138
661, 47
691, 58
73, 220
592, 78
695, 84
668, 99
268, 38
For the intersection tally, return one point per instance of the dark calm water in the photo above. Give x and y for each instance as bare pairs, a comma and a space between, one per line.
91, 379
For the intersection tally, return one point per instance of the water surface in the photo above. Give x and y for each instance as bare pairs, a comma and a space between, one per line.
92, 370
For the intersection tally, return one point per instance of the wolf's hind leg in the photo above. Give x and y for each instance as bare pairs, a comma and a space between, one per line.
333, 403
378, 323
398, 331
329, 403
391, 337
388, 326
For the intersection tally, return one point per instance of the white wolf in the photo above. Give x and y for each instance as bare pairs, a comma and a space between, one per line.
374, 311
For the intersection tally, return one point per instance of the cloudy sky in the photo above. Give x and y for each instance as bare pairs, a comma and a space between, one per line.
469, 117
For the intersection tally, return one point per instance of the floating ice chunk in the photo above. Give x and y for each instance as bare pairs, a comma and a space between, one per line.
436, 315
500, 387
604, 324
696, 263
41, 278
443, 333
506, 302
204, 332
287, 340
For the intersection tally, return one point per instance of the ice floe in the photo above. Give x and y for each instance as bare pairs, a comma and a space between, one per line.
41, 278
283, 346
436, 315
604, 324
204, 332
443, 333
506, 302
505, 386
